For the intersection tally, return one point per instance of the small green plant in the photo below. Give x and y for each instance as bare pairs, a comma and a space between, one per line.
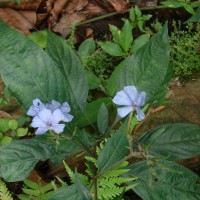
124, 42
185, 52
10, 130
35, 191
4, 192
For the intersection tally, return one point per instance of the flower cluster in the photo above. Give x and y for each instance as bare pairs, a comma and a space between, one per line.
130, 99
47, 117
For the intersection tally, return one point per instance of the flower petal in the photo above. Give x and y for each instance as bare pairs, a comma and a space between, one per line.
37, 122
41, 130
131, 92
57, 116
58, 128
65, 108
45, 115
122, 99
32, 111
140, 99
67, 118
140, 114
123, 111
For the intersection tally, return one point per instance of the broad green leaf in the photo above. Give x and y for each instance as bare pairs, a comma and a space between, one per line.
126, 37
70, 65
139, 42
82, 190
102, 119
115, 33
69, 193
93, 81
111, 86
92, 110
18, 158
132, 16
138, 12
28, 71
111, 48
87, 47
173, 141
172, 181
115, 149
147, 68
39, 38
195, 17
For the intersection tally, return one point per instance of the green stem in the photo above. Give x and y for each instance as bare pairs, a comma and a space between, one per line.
147, 8
131, 155
129, 124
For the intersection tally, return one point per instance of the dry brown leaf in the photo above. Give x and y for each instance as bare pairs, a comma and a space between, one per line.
93, 9
63, 26
17, 20
27, 5
119, 5
57, 10
75, 5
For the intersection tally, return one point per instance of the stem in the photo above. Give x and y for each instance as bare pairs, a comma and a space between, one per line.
95, 189
117, 13
129, 124
131, 155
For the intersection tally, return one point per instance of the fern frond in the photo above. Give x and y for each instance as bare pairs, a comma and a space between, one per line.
4, 192
109, 193
128, 187
82, 177
91, 159
115, 173
110, 182
31, 192
89, 170
31, 184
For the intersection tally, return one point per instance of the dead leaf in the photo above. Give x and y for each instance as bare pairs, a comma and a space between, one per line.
17, 20
94, 9
75, 5
63, 26
119, 5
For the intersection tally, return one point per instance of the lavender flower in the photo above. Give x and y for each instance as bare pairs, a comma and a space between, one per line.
130, 99
47, 120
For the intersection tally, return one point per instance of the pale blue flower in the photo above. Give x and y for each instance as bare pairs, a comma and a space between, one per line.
35, 108
130, 99
64, 108
48, 120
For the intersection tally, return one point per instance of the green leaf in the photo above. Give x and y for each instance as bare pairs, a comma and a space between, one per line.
83, 191
4, 125
132, 16
18, 158
139, 42
102, 119
70, 66
173, 141
114, 150
5, 140
195, 17
13, 124
172, 181
93, 81
69, 193
172, 4
126, 37
87, 47
189, 8
92, 110
147, 68
115, 33
22, 132
28, 71
39, 38
111, 48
